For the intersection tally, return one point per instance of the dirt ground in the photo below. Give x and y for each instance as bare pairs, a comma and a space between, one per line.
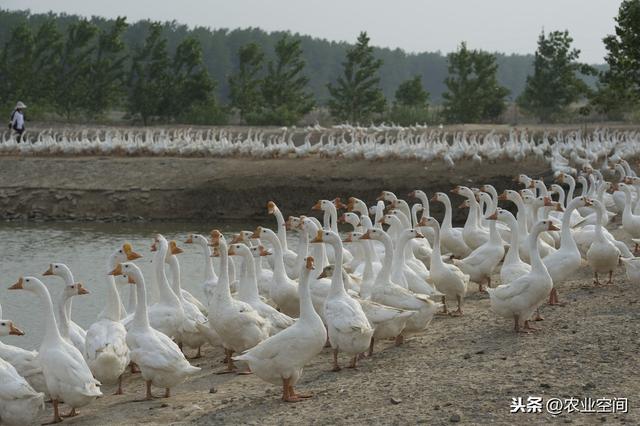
464, 369
164, 188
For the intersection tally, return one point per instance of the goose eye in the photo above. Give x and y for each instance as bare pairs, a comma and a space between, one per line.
3, 324
27, 280
56, 266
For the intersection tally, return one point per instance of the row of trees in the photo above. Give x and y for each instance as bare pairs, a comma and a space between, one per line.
90, 71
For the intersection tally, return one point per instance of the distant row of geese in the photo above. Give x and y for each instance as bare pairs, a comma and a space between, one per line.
420, 143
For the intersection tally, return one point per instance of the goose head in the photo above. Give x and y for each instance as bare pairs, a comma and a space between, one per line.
326, 236
129, 270
259, 251
126, 253
7, 328
440, 197
352, 237
293, 222
239, 250
429, 222
31, 284
59, 270
72, 290
197, 239
272, 208
387, 196
242, 237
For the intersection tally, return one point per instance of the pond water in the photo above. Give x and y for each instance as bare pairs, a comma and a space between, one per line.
28, 248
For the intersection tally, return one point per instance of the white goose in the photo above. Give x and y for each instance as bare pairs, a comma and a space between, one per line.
239, 326
106, 347
386, 292
603, 255
25, 362
521, 297
210, 278
20, 404
282, 290
473, 233
564, 262
512, 267
248, 292
167, 314
480, 264
348, 328
289, 256
65, 371
161, 362
451, 238
448, 279
68, 329
190, 334
281, 358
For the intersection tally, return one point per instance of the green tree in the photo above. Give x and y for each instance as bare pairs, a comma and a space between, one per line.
411, 93
46, 57
16, 66
107, 69
244, 86
284, 88
555, 83
148, 77
473, 93
73, 76
356, 96
410, 105
191, 89
619, 87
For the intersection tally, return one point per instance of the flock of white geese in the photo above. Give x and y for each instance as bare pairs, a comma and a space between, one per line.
420, 143
384, 279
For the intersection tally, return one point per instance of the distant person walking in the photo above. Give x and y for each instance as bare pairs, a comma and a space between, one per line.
17, 120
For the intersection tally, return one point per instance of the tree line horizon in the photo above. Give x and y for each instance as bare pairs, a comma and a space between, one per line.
70, 68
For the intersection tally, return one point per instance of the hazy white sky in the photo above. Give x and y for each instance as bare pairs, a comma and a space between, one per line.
510, 26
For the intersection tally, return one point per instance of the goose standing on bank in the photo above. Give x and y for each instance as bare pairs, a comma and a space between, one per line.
160, 360
281, 358
106, 347
66, 372
348, 328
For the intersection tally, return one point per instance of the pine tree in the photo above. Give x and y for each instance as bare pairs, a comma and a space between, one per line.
410, 105
555, 83
284, 88
191, 89
473, 93
46, 57
148, 77
73, 76
245, 94
107, 69
619, 87
356, 96
16, 66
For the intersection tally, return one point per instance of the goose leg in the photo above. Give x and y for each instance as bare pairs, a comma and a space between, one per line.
610, 282
299, 395
149, 396
336, 366
370, 353
72, 413
56, 413
287, 389
458, 312
444, 311
354, 362
528, 326
538, 317
399, 339
595, 279
167, 392
119, 391
230, 367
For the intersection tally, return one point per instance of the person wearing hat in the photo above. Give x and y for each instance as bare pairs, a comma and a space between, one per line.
17, 120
